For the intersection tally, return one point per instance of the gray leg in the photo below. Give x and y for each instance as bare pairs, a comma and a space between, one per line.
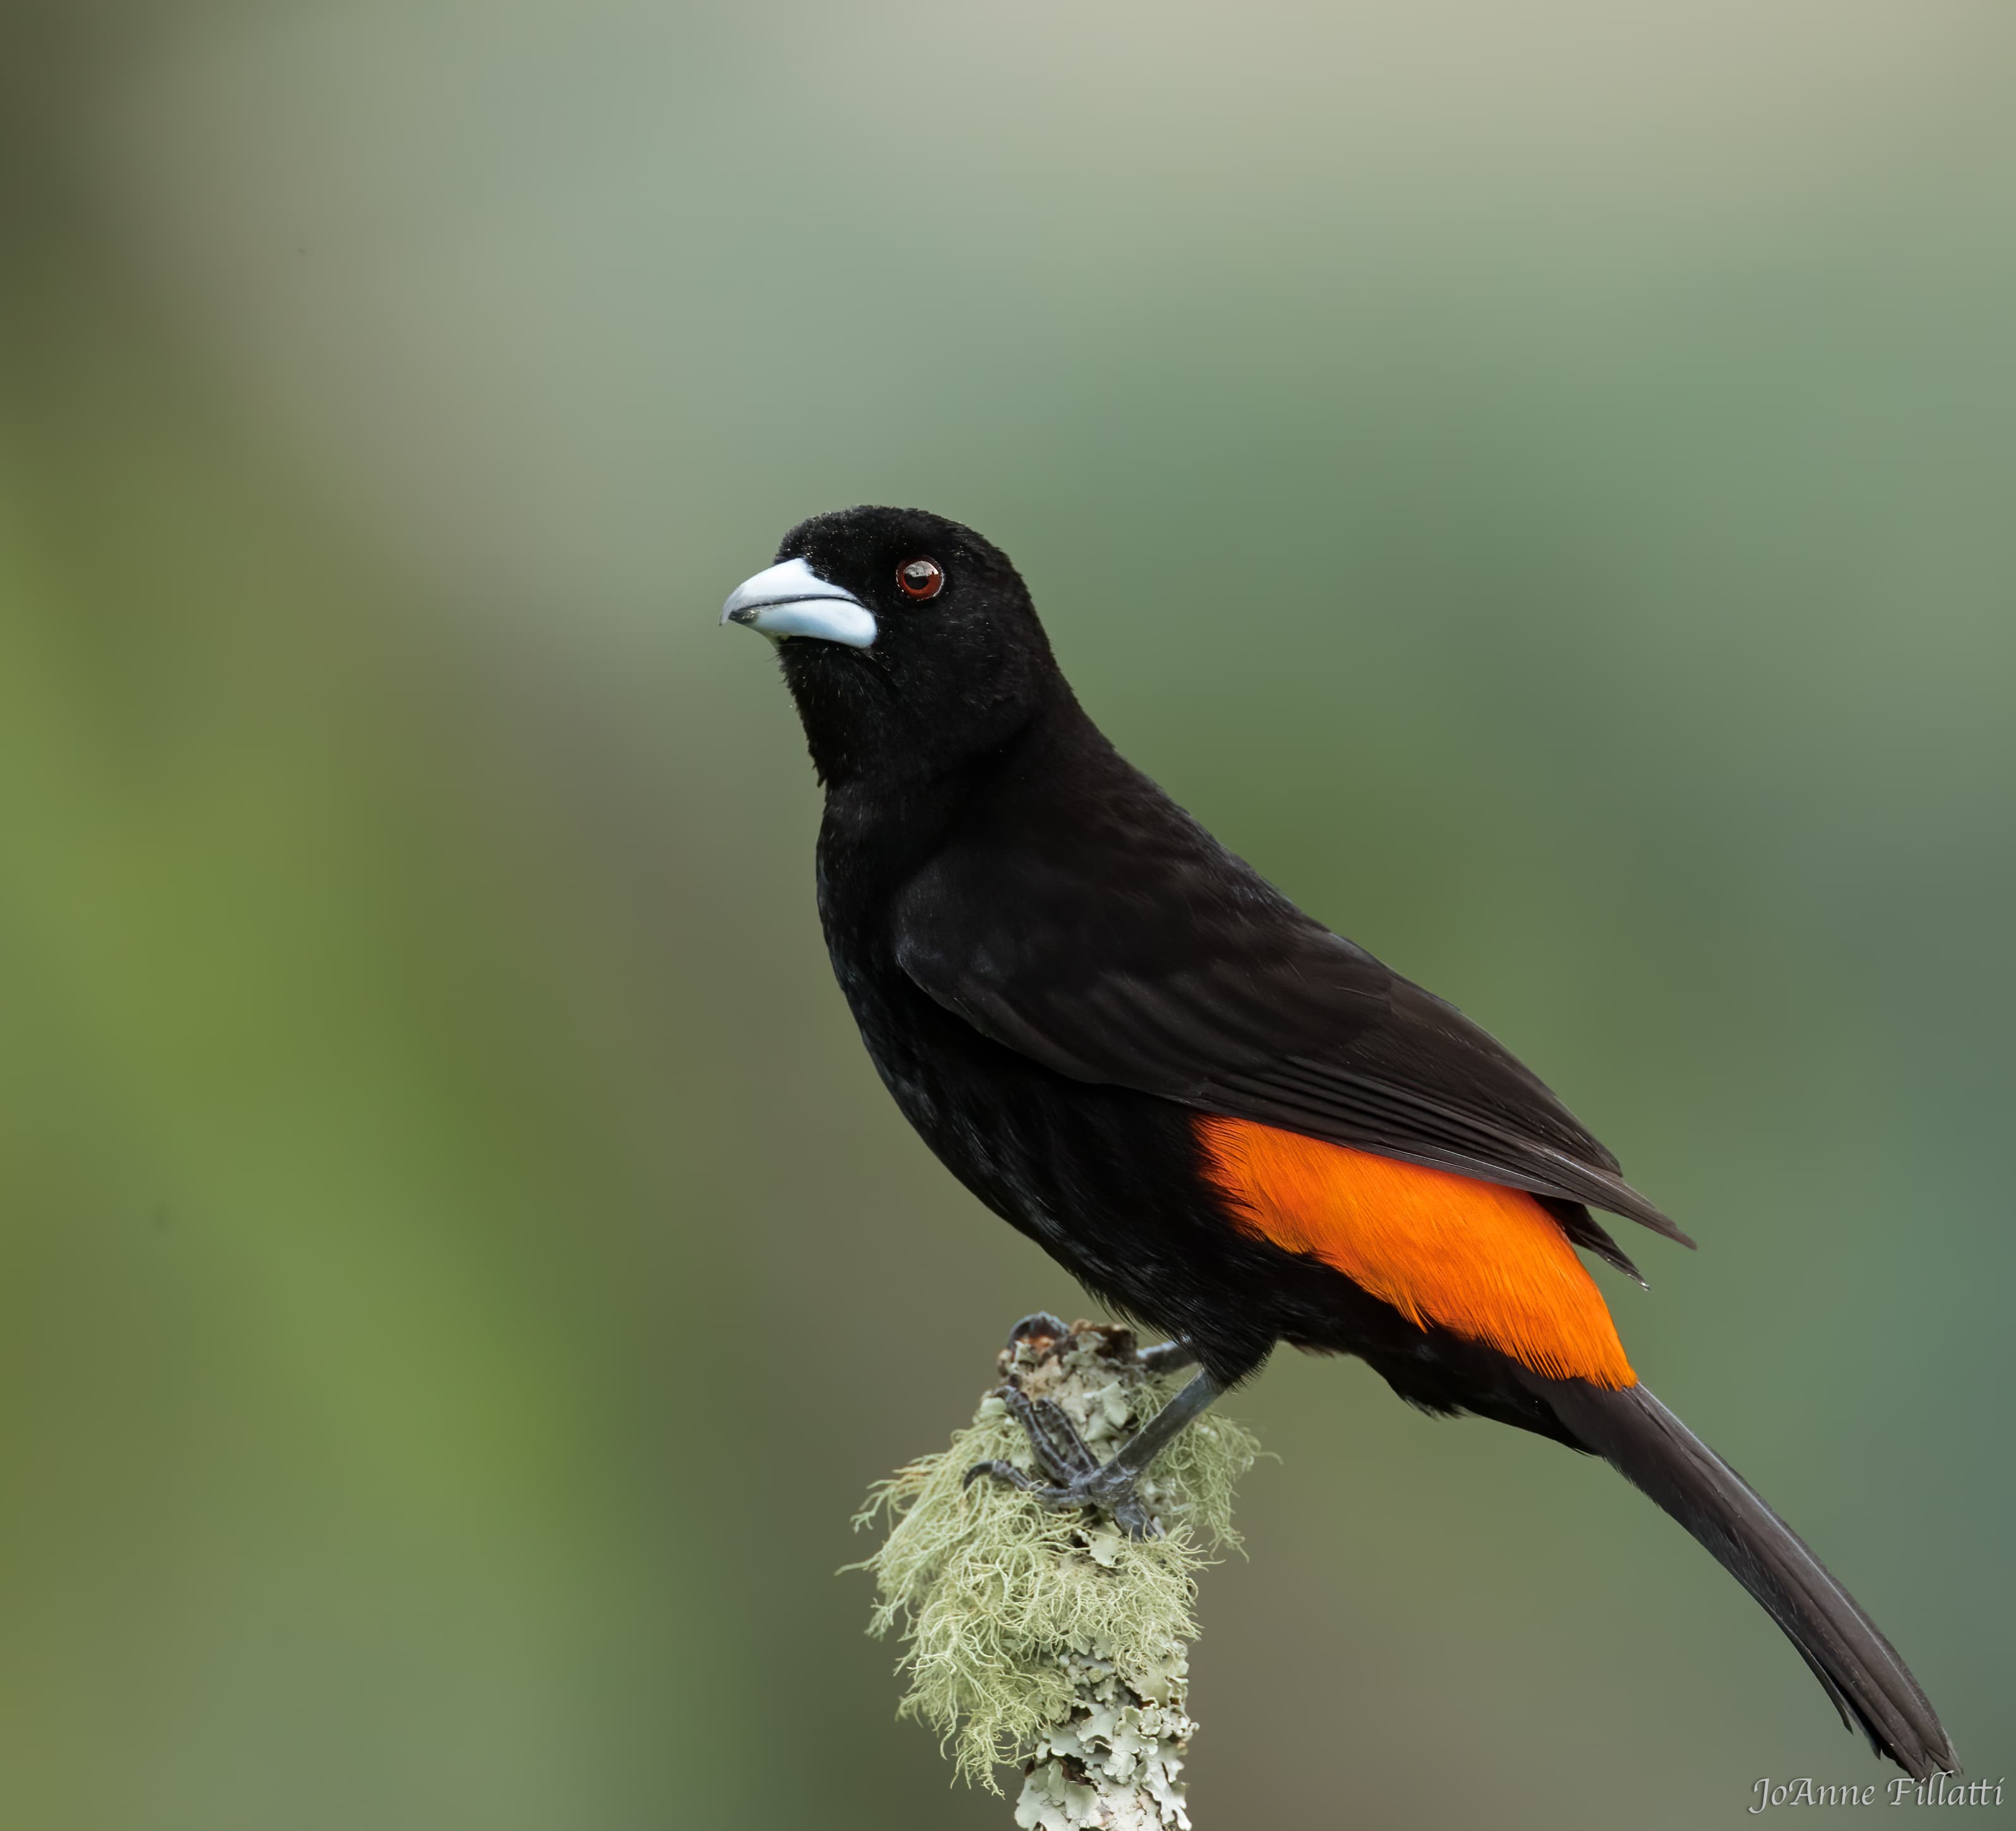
1077, 1478
1167, 1357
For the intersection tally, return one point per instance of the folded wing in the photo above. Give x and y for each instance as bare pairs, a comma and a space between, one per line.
1144, 954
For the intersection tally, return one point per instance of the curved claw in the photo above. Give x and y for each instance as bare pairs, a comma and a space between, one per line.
1005, 1472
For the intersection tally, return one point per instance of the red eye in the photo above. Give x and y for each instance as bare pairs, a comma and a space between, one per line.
920, 578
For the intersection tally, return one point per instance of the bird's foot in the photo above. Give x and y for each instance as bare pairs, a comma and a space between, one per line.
1077, 1477
1068, 1475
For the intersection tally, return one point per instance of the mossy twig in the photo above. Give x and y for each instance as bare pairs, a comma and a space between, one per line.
1051, 1640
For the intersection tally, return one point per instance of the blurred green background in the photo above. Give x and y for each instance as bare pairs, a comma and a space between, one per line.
1537, 480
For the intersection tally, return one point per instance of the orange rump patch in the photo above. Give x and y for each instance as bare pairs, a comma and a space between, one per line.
1483, 1261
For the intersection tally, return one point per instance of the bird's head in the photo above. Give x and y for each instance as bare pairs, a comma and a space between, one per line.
908, 643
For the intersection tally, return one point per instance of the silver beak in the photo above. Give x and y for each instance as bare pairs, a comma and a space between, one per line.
793, 600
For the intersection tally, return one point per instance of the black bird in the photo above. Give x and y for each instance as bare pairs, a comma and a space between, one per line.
1224, 1120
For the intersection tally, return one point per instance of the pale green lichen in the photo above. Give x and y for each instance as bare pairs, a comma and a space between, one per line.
1116, 1764
1052, 1638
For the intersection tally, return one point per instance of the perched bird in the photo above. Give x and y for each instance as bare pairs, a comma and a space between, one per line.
1224, 1120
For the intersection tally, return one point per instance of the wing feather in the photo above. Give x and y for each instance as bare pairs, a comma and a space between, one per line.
1142, 955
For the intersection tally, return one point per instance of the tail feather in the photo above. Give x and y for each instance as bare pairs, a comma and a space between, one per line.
1651, 1448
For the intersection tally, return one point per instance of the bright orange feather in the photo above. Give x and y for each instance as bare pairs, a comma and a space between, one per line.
1485, 1262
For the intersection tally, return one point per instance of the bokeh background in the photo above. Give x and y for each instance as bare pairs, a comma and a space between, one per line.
1536, 479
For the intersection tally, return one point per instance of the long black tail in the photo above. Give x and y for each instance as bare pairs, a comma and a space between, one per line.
1870, 1686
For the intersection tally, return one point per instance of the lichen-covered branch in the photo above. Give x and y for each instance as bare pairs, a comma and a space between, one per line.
1051, 1640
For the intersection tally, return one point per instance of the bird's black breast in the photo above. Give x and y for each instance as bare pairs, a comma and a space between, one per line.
988, 1112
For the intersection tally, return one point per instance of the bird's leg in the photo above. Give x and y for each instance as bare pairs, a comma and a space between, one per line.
1077, 1478
1166, 1357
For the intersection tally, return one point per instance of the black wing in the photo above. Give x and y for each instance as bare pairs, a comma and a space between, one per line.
1113, 940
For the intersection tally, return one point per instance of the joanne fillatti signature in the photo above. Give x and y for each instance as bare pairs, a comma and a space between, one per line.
1942, 1790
